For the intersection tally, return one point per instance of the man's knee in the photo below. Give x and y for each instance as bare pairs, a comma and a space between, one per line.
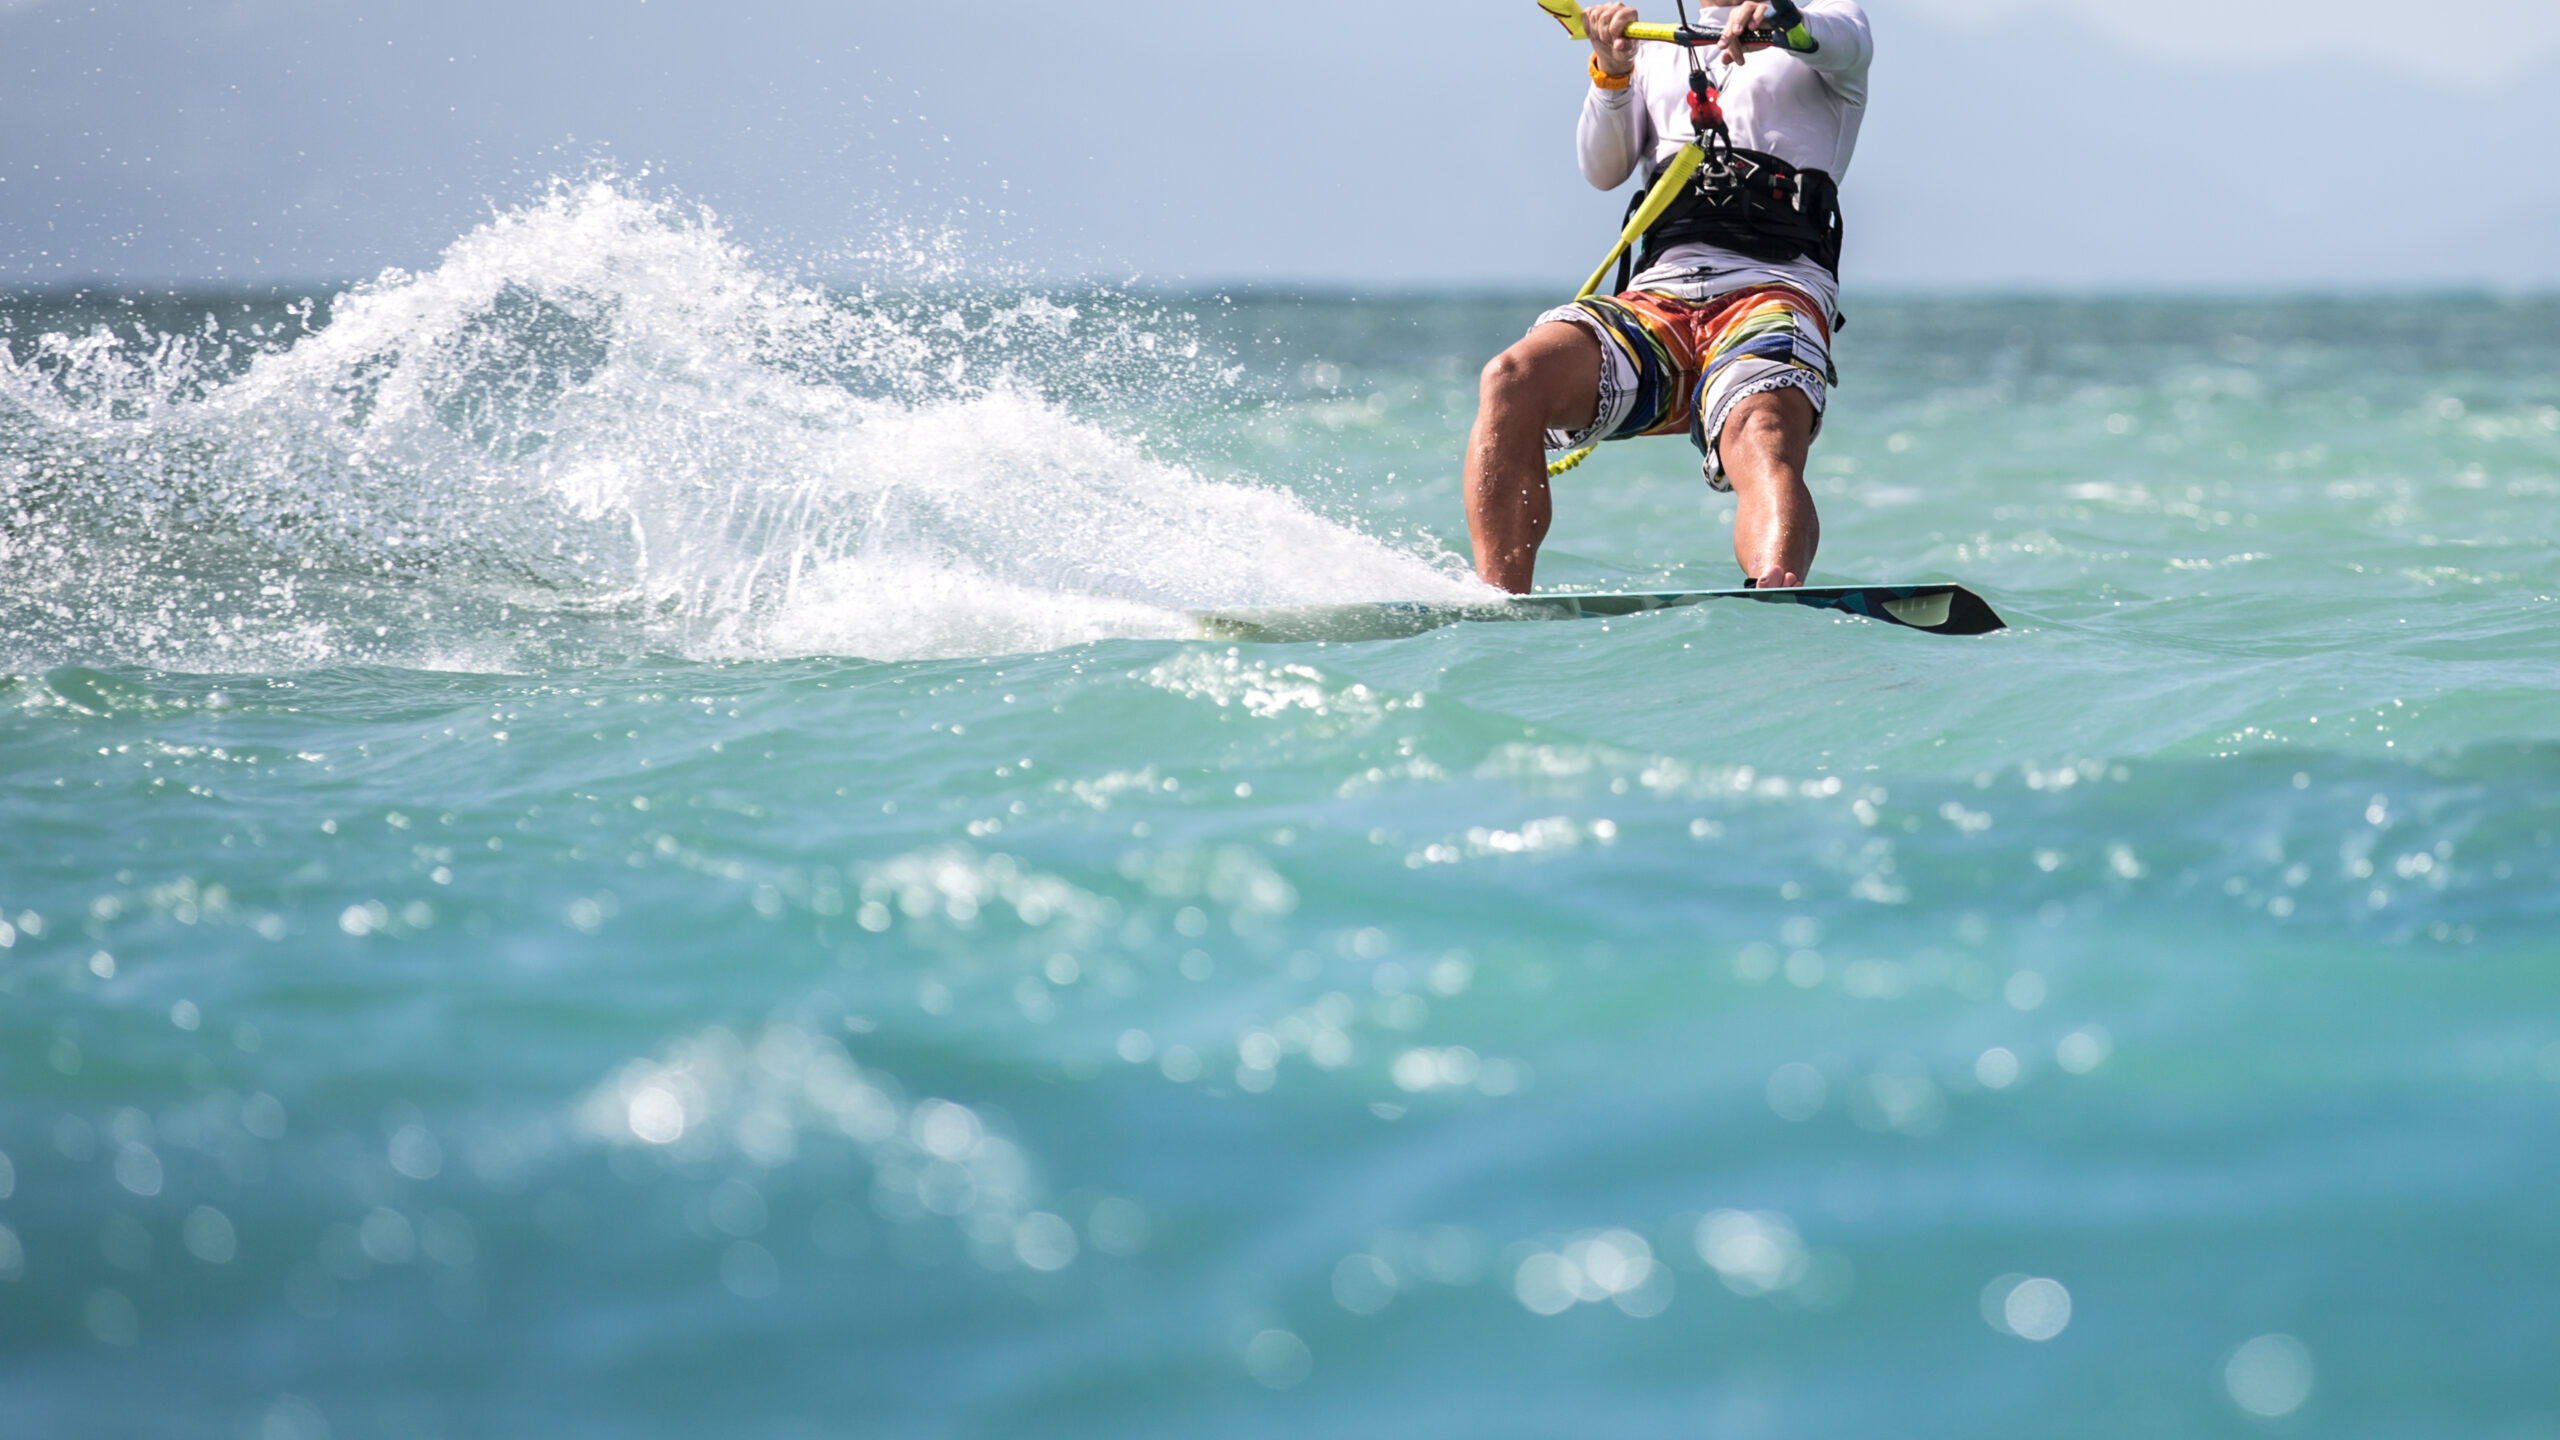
1526, 371
1506, 376
1786, 410
1777, 423
1553, 371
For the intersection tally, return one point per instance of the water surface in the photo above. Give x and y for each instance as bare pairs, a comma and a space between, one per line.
598, 843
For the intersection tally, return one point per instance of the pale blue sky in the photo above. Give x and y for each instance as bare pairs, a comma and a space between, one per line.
2072, 144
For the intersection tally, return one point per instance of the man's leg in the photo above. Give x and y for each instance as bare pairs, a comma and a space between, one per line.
1550, 379
1765, 440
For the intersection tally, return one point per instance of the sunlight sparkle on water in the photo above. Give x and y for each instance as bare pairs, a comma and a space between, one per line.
2269, 1377
2027, 1306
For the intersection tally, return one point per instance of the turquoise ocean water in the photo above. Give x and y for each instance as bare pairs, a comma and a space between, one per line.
595, 843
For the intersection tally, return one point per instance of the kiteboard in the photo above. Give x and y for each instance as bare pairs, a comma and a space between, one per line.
1937, 609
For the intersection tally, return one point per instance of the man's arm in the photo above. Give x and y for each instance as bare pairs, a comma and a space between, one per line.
1843, 44
1611, 138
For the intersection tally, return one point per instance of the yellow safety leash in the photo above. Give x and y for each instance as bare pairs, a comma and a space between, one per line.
1665, 189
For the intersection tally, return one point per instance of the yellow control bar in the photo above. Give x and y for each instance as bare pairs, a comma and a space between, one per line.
1568, 13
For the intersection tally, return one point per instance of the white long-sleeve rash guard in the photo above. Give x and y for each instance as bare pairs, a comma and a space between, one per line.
1804, 109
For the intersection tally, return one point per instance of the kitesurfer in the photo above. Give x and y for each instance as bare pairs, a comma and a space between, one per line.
1725, 332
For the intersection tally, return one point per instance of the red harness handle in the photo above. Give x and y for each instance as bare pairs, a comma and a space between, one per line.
1706, 108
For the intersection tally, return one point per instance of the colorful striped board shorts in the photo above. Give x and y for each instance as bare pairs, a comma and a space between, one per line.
1668, 365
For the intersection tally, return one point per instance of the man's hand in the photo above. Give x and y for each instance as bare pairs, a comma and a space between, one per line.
1752, 16
1607, 27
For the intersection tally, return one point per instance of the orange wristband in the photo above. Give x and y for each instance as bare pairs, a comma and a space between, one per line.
1607, 81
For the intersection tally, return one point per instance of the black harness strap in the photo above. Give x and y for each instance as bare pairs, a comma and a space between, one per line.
1753, 203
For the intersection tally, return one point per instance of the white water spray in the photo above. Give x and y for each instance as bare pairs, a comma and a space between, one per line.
595, 428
